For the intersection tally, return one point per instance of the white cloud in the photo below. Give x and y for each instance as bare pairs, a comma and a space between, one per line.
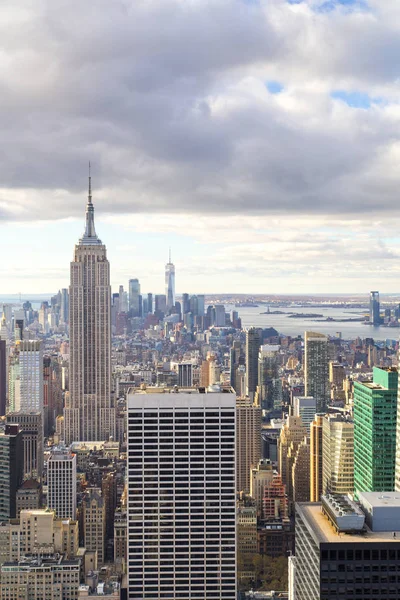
169, 101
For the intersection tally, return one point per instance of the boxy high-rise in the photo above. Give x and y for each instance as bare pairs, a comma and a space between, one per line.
181, 494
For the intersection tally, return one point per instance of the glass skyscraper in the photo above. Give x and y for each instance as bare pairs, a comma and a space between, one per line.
375, 413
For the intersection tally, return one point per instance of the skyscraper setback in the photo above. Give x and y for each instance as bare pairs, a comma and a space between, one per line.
89, 414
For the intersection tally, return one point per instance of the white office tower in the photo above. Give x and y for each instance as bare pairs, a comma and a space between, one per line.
89, 414
26, 377
61, 479
170, 283
181, 495
305, 407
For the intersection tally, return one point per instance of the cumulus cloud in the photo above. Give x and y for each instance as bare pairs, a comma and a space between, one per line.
170, 101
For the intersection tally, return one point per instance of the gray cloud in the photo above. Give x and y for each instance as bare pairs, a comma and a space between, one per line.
167, 98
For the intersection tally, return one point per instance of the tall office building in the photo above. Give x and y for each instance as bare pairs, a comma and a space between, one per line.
123, 300
89, 414
185, 374
11, 470
346, 550
301, 472
170, 283
375, 414
305, 407
3, 376
374, 308
94, 523
26, 377
292, 433
64, 305
337, 454
31, 426
201, 305
185, 304
337, 375
160, 303
216, 314
253, 343
61, 479
248, 441
134, 297
181, 495
316, 368
150, 307
268, 377
316, 458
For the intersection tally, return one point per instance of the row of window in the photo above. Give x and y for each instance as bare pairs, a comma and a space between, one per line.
361, 554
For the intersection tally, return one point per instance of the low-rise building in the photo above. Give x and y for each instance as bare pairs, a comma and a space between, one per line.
40, 578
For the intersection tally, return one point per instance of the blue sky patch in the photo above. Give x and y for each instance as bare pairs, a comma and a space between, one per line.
274, 87
354, 99
330, 5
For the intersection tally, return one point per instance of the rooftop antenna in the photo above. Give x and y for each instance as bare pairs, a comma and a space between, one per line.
90, 187
170, 254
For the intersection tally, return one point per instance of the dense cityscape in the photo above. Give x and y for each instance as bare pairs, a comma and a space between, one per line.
152, 446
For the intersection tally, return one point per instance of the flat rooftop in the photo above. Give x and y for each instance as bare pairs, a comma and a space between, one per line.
323, 532
371, 385
381, 499
154, 397
181, 390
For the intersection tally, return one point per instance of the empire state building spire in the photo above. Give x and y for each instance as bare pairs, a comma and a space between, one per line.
89, 237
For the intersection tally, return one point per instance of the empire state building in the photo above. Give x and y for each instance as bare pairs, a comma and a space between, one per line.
89, 414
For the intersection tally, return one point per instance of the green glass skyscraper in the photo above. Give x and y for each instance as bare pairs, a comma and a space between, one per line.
375, 412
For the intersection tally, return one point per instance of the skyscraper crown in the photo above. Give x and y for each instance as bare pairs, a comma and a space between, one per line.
89, 237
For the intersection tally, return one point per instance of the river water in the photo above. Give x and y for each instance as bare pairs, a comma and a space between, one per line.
285, 325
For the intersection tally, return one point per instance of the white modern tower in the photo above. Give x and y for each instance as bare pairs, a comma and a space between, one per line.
89, 414
170, 282
61, 476
181, 495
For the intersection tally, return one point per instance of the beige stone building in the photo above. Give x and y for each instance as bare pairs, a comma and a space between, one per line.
50, 578
301, 472
37, 532
28, 496
261, 476
120, 539
316, 458
94, 523
89, 414
248, 441
246, 539
292, 433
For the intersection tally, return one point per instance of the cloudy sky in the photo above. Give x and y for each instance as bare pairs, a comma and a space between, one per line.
260, 139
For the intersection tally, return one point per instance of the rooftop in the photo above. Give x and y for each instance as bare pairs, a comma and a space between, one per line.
30, 484
180, 398
181, 390
323, 532
381, 499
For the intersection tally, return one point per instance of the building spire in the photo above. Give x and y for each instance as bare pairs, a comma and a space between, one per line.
169, 260
89, 237
90, 187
